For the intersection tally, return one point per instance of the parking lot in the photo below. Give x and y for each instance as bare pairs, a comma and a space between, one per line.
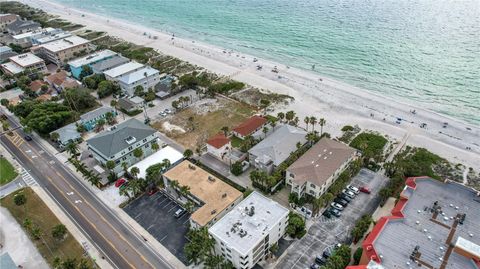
156, 214
325, 233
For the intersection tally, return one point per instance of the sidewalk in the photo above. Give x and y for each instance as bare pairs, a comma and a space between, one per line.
118, 212
72, 228
16, 243
15, 184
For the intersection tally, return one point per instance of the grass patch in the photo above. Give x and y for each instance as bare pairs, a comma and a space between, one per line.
40, 216
200, 123
7, 171
253, 96
371, 145
236, 142
92, 35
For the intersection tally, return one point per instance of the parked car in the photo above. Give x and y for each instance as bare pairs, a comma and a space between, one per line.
28, 138
179, 212
353, 189
152, 191
320, 260
168, 111
314, 266
365, 190
348, 193
335, 212
345, 197
337, 206
341, 201
119, 182
306, 211
327, 214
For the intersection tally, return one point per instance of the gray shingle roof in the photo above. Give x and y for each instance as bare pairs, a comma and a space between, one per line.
321, 161
19, 25
112, 141
95, 113
125, 103
67, 132
279, 144
109, 63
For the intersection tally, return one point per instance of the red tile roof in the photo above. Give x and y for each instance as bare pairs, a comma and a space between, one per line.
250, 125
218, 140
36, 85
57, 78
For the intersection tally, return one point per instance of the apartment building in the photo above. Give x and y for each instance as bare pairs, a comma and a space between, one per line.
147, 77
61, 51
212, 197
319, 167
118, 143
245, 234
6, 19
21, 62
96, 57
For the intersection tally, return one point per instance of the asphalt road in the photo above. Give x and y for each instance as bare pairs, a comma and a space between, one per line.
122, 247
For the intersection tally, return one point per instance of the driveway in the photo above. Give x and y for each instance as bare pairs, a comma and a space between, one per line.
325, 233
156, 214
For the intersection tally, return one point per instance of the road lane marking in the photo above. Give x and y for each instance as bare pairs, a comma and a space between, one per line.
88, 220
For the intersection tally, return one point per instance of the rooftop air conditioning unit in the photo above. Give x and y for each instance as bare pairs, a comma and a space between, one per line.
210, 178
130, 140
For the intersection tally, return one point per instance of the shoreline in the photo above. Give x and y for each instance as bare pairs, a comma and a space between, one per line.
339, 103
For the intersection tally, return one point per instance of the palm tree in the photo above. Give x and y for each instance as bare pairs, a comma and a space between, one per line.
307, 121
125, 167
134, 186
125, 192
189, 206
265, 131
155, 146
72, 149
138, 153
166, 163
322, 122
311, 138
134, 172
281, 116
295, 121
313, 121
317, 203
289, 115
187, 153
54, 136
225, 130
100, 124
95, 179
174, 185
184, 190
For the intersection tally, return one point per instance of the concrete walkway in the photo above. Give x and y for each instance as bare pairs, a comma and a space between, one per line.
15, 184
16, 243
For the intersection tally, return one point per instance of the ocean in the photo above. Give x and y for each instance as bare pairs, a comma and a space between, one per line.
423, 52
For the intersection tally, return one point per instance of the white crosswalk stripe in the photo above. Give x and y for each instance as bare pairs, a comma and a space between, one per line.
28, 179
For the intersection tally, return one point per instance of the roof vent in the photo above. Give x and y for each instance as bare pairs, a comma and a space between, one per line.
192, 167
330, 153
213, 211
224, 195
130, 140
210, 178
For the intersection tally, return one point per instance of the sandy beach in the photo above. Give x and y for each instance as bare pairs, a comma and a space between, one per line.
340, 104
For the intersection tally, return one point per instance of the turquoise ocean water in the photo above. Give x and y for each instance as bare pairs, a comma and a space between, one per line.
425, 52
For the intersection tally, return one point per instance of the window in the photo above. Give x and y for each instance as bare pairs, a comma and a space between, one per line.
221, 243
312, 192
312, 185
145, 140
229, 250
130, 148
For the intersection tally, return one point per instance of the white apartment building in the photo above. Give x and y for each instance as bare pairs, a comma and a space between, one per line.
147, 77
246, 233
121, 70
63, 50
24, 61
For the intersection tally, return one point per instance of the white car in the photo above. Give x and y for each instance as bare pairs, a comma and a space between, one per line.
168, 111
353, 189
337, 206
348, 193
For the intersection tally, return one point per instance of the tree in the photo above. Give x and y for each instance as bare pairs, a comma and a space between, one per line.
313, 121
100, 124
59, 231
199, 246
110, 118
113, 103
134, 172
124, 192
139, 91
138, 153
4, 102
54, 136
274, 248
90, 83
188, 153
322, 123
78, 99
72, 149
184, 190
175, 104
86, 71
225, 130
281, 116
236, 168
264, 104
69, 263
317, 204
265, 131
20, 199
213, 261
289, 115
307, 121
149, 96
155, 146
5, 126
110, 165
357, 255
296, 225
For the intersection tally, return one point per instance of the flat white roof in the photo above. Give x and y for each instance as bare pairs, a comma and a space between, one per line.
45, 38
123, 69
138, 75
65, 43
91, 58
26, 59
167, 152
241, 230
12, 68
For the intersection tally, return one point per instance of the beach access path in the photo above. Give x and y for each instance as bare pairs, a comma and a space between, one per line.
339, 103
